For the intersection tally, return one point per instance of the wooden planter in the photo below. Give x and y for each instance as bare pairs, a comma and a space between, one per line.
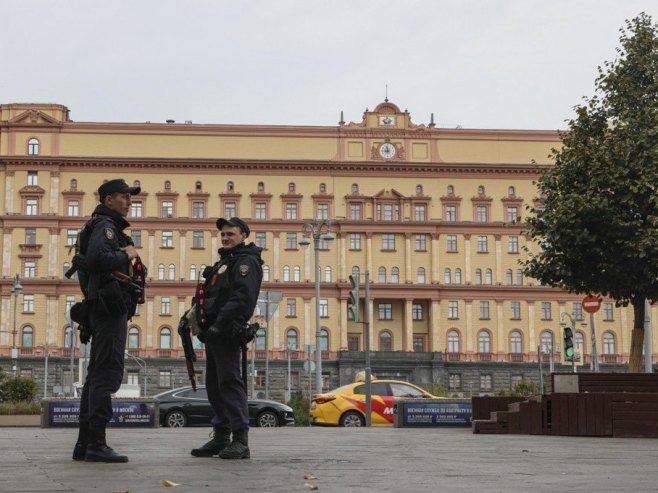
20, 420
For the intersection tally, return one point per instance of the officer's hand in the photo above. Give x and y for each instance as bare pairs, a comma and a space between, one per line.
131, 251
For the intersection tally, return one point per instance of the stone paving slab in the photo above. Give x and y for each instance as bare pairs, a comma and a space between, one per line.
343, 460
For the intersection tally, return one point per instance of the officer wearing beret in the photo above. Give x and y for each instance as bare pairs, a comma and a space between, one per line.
108, 250
230, 291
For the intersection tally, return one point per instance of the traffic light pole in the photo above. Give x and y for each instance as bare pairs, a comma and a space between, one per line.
366, 332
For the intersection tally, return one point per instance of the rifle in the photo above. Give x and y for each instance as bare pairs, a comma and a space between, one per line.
79, 262
190, 357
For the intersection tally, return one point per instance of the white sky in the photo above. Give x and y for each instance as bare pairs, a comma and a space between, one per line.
521, 64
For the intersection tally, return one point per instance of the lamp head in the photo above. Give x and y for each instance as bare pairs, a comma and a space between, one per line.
304, 242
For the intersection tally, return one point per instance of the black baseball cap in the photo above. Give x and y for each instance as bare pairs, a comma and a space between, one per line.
234, 221
117, 185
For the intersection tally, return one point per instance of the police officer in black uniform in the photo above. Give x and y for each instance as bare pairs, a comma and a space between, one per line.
108, 250
230, 291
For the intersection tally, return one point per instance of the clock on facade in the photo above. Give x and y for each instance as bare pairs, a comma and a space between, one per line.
387, 150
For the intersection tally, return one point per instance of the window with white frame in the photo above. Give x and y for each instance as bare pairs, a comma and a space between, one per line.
453, 310
73, 208
71, 236
32, 178
172, 272
230, 209
33, 147
165, 305
324, 307
395, 275
327, 274
608, 311
30, 236
420, 275
167, 239
161, 272
484, 341
451, 213
198, 209
165, 338
512, 244
197, 239
512, 214
381, 275
291, 307
421, 242
481, 214
322, 211
286, 273
291, 210
388, 241
385, 311
260, 210
546, 310
355, 241
482, 244
30, 269
420, 212
261, 239
451, 245
447, 276
291, 241
609, 343
136, 208
577, 311
486, 383
515, 310
454, 381
28, 303
297, 273
453, 341
416, 311
484, 309
164, 379
515, 342
167, 208
31, 207
70, 301
356, 211
458, 275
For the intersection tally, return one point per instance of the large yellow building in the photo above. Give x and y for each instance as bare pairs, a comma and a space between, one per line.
434, 215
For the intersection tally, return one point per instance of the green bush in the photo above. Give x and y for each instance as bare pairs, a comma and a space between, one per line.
436, 389
300, 405
18, 389
20, 408
524, 388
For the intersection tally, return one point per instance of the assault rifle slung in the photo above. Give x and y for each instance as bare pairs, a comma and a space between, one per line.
186, 340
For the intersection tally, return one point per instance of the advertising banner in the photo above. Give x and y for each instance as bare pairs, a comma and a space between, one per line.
434, 413
126, 414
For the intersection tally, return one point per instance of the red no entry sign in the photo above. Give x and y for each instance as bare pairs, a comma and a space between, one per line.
591, 304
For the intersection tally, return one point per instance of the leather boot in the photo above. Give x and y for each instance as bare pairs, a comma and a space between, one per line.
239, 447
219, 441
98, 450
80, 449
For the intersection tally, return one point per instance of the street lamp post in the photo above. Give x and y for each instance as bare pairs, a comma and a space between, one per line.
142, 364
319, 230
16, 290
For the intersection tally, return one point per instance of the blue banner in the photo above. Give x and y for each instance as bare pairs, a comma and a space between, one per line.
435, 413
126, 414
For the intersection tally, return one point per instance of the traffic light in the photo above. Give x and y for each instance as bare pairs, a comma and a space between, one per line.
353, 299
569, 351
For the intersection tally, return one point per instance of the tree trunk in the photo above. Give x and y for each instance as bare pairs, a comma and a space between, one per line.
636, 360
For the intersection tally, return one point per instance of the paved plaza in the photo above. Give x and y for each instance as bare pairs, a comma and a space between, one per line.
342, 460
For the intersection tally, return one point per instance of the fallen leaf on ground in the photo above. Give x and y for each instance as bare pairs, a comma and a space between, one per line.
310, 476
166, 482
309, 486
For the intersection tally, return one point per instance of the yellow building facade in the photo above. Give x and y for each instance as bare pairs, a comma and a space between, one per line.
434, 215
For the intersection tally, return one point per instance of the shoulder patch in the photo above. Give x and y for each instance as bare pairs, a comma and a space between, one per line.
109, 234
243, 270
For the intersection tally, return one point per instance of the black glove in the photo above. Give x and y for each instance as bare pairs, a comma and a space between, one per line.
85, 334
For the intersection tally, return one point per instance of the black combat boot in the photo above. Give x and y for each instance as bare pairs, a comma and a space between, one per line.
98, 450
239, 447
80, 448
219, 441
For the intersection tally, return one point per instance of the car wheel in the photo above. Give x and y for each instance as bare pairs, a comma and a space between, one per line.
175, 419
352, 419
267, 419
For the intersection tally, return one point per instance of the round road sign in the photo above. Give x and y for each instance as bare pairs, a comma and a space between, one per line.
591, 304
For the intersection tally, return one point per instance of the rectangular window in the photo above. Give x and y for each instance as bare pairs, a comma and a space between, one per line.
30, 268
73, 208
416, 311
136, 208
546, 310
356, 212
515, 310
419, 344
515, 380
385, 311
388, 212
197, 239
136, 235
353, 342
453, 310
291, 241
165, 305
70, 301
451, 244
324, 307
198, 210
28, 303
451, 213
486, 382
30, 236
32, 178
512, 244
388, 241
167, 209
71, 236
167, 239
578, 311
132, 377
291, 210
355, 241
230, 209
481, 215
484, 310
261, 239
164, 379
483, 244
512, 214
608, 311
323, 211
420, 212
291, 307
421, 243
261, 210
454, 381
31, 207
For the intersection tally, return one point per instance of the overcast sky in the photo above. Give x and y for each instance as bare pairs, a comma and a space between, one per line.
521, 64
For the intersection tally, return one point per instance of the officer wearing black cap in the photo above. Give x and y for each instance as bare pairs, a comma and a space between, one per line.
108, 250
230, 295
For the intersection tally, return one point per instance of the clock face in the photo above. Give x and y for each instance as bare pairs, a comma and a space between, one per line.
387, 150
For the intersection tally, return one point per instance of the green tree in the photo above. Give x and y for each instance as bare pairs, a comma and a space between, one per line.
598, 222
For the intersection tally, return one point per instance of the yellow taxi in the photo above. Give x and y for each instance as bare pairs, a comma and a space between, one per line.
346, 405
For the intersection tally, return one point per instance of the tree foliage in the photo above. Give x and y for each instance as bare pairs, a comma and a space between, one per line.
598, 222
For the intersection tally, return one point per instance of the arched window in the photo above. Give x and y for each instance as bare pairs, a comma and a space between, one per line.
74, 184
355, 188
291, 187
385, 341
297, 273
420, 275
261, 340
509, 277
447, 276
546, 341
193, 272
291, 339
519, 277
453, 341
579, 342
172, 272
286, 273
167, 185
484, 341
515, 342
395, 275
419, 190
261, 187
33, 147
198, 186
327, 274
230, 186
266, 273
450, 191
27, 335
488, 276
202, 268
458, 275
324, 339
69, 337
161, 272
478, 276
165, 338
381, 274
133, 338
609, 343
